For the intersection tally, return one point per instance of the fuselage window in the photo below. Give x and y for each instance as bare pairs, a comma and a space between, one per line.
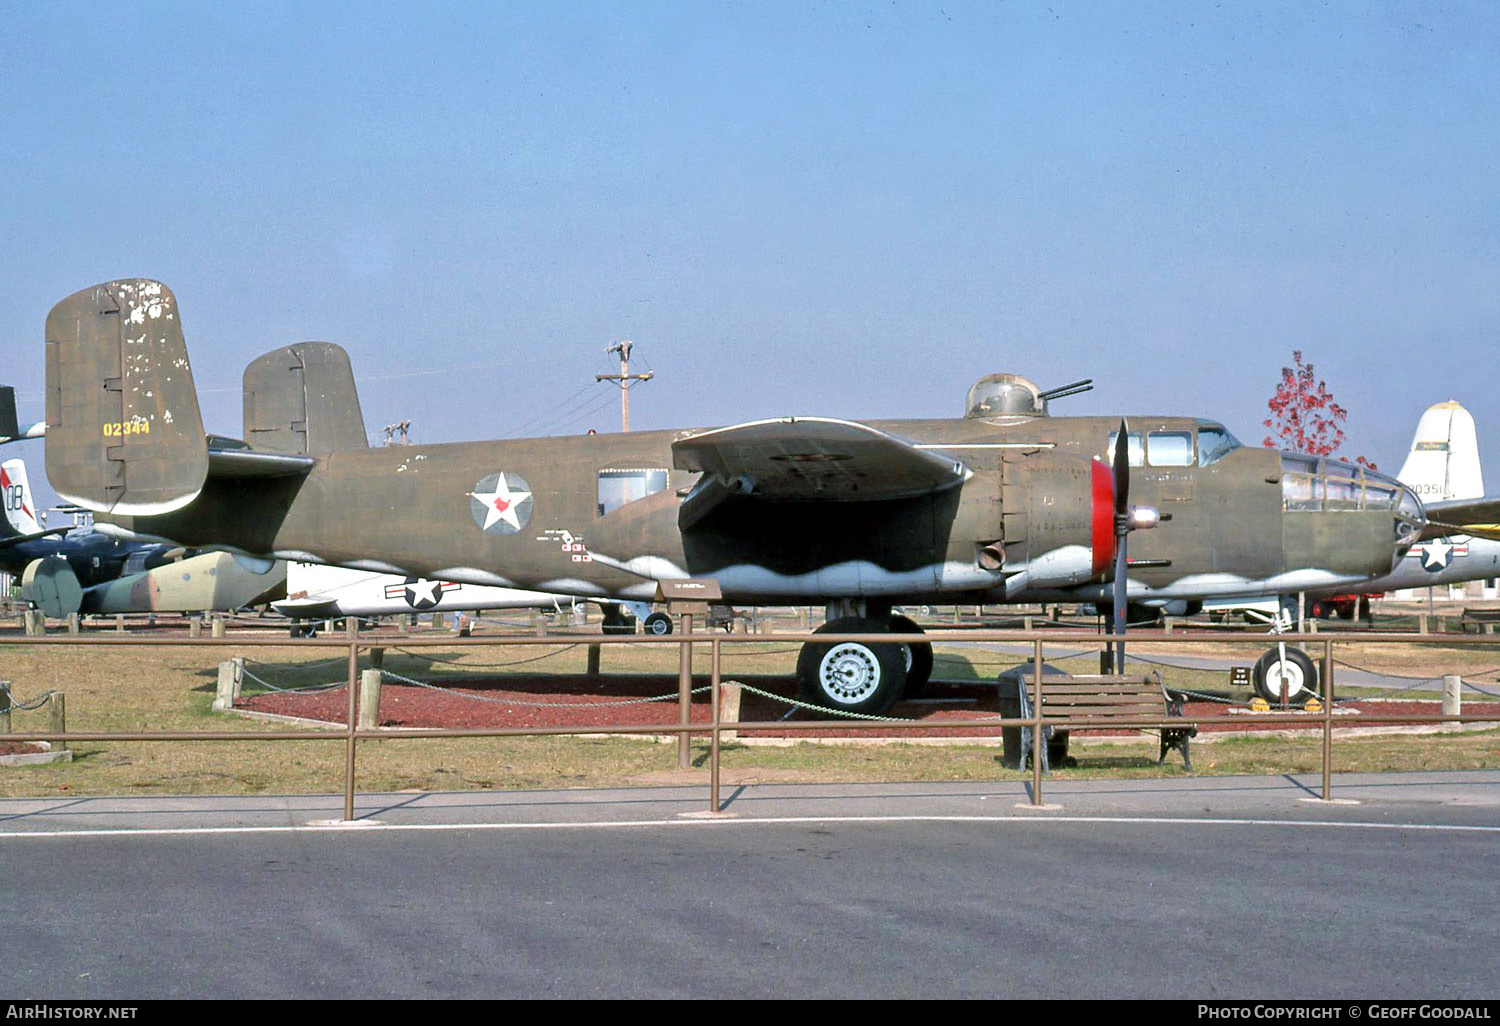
618, 487
1133, 443
1169, 449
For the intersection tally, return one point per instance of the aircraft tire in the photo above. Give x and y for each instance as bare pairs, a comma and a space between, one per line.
851, 676
1302, 676
918, 657
659, 624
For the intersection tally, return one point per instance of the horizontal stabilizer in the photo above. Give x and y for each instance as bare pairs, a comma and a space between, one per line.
124, 434
816, 458
230, 457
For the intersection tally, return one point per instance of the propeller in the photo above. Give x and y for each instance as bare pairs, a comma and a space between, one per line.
1127, 518
1122, 530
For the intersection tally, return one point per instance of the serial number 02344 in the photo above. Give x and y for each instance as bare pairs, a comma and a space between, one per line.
119, 429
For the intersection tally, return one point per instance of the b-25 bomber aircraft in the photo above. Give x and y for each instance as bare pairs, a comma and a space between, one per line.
1005, 504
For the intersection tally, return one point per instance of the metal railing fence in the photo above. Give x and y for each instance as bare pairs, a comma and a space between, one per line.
354, 643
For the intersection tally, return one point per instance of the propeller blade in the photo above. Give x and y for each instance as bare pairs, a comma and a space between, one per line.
1122, 469
1122, 497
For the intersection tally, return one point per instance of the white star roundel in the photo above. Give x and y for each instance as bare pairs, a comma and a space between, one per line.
501, 503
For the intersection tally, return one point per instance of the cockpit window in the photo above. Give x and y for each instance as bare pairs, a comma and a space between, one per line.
1214, 443
1169, 449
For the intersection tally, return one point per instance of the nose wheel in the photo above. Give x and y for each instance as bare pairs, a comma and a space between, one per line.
1298, 669
853, 676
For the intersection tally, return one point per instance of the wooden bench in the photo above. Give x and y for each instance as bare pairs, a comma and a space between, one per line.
1090, 701
1482, 620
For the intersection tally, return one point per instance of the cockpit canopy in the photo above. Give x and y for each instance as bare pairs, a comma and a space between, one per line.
1005, 395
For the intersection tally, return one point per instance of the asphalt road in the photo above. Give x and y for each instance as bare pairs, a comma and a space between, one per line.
1197, 888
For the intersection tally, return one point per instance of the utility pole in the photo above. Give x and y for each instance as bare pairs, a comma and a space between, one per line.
624, 379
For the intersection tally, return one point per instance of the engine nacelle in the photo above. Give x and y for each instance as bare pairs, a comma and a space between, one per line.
1057, 520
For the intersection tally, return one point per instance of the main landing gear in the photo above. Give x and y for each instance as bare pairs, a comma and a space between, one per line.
862, 677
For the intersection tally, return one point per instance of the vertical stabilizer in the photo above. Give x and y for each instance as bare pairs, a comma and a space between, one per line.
301, 399
8, 427
20, 509
1444, 459
124, 434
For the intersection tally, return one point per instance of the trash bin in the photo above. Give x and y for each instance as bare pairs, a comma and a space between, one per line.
1009, 685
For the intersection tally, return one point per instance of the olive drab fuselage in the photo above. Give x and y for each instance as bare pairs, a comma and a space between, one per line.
600, 516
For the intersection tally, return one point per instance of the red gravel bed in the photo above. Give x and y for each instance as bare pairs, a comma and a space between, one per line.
20, 748
570, 701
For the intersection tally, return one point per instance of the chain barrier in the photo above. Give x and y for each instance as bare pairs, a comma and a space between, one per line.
512, 662
291, 691
670, 696
35, 703
297, 666
795, 703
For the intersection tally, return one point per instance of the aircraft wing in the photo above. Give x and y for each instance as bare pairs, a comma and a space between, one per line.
1479, 518
807, 459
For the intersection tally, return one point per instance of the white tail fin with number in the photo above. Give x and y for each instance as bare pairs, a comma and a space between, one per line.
20, 509
1444, 459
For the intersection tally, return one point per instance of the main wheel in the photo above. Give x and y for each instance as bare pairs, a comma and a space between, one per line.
1301, 676
917, 656
851, 676
659, 624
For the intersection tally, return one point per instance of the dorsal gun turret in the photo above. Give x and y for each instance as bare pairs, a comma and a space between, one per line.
1010, 395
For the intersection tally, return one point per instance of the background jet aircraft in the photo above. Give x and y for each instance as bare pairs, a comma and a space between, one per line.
315, 591
92, 556
1003, 504
87, 571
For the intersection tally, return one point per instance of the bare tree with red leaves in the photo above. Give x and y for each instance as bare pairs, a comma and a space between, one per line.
1304, 417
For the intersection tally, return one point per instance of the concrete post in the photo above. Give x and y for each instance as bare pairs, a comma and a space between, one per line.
35, 624
224, 692
216, 628
593, 670
437, 619
369, 699
4, 707
1452, 694
75, 623
377, 658
120, 623
195, 627
57, 716
1421, 623
238, 664
729, 710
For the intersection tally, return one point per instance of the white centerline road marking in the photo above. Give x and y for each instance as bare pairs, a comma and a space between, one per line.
709, 824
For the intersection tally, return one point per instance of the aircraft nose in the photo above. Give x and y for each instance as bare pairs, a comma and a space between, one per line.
1310, 483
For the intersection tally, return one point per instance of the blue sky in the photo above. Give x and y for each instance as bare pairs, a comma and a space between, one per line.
848, 209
